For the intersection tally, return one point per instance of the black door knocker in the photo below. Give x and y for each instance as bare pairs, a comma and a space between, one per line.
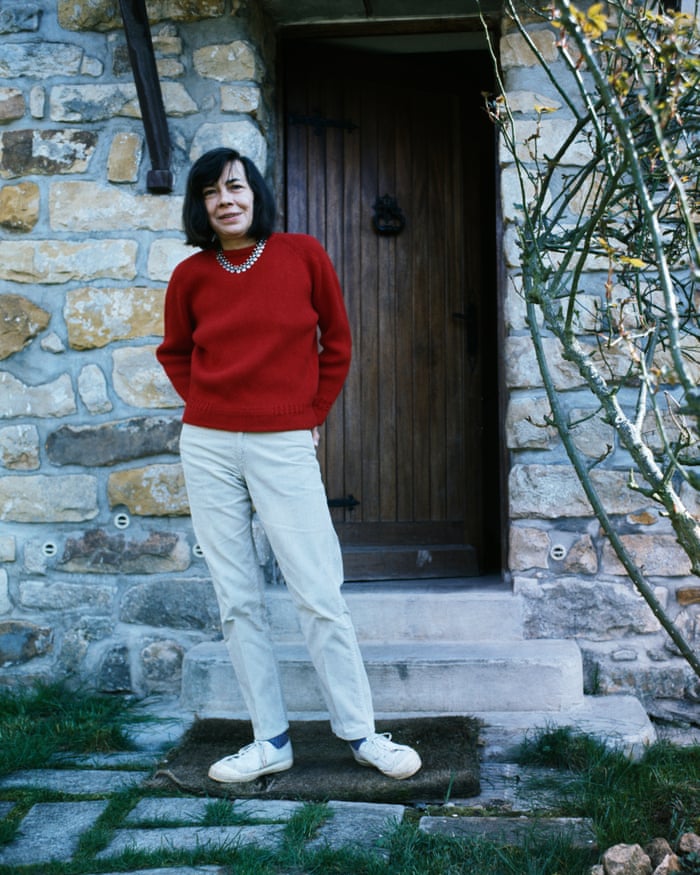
388, 218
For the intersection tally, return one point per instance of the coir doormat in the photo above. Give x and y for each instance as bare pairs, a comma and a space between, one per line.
324, 768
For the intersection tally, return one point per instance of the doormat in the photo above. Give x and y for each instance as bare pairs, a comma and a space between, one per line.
324, 768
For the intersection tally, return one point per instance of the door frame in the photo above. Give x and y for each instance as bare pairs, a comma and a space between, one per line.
495, 505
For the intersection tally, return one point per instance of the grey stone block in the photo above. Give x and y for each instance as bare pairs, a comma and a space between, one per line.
362, 826
79, 782
50, 831
512, 830
190, 838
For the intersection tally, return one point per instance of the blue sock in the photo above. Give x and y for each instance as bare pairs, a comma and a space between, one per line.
280, 740
356, 743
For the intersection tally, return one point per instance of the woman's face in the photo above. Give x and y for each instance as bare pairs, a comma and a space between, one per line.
229, 205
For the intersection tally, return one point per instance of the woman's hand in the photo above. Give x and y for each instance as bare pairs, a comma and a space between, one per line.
316, 436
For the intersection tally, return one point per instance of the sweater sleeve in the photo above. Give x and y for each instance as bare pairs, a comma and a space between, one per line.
175, 352
335, 339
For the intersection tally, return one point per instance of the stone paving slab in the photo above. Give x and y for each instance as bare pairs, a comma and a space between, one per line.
50, 831
512, 830
77, 782
362, 825
190, 838
140, 760
179, 870
519, 788
183, 809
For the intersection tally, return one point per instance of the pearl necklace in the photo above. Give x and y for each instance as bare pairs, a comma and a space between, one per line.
247, 264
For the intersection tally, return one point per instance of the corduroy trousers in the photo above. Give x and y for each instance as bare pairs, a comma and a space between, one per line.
227, 474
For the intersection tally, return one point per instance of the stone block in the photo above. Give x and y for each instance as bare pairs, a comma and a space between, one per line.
39, 60
20, 321
156, 490
242, 135
8, 548
45, 595
529, 548
52, 343
19, 206
97, 103
97, 552
164, 255
240, 98
60, 261
657, 555
21, 641
590, 434
139, 380
5, 601
176, 604
572, 607
114, 442
103, 15
125, 155
581, 556
96, 317
526, 423
51, 831
516, 52
89, 206
16, 17
688, 595
162, 665
45, 152
522, 370
19, 447
554, 491
226, 62
37, 102
49, 399
12, 104
41, 498
114, 674
92, 388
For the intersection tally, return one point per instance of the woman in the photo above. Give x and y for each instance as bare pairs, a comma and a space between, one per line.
257, 343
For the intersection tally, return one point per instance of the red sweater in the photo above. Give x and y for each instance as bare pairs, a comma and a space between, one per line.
263, 350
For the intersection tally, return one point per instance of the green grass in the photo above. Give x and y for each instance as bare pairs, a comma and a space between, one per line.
51, 719
627, 801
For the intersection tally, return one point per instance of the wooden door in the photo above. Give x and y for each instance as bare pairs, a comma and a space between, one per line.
402, 448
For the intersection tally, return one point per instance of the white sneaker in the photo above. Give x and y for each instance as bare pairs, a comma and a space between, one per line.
252, 761
393, 760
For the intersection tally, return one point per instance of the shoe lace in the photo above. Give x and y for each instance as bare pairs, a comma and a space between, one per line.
244, 750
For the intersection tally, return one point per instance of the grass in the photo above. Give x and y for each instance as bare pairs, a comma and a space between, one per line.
627, 802
51, 719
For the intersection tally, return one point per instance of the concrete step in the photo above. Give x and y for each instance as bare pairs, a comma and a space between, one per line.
407, 678
448, 610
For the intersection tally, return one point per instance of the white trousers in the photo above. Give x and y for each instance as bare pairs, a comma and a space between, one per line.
277, 473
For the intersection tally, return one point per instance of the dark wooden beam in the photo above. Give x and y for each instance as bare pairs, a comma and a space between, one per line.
143, 64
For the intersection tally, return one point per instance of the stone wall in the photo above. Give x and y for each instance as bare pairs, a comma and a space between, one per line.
572, 584
100, 577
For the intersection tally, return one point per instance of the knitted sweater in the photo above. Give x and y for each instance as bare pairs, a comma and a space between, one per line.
263, 350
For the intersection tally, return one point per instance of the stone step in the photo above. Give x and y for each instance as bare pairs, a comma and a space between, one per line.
448, 610
407, 678
620, 721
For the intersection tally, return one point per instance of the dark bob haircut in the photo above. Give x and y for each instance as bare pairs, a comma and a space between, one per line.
206, 170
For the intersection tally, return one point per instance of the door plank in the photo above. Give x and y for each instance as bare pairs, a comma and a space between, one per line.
405, 437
